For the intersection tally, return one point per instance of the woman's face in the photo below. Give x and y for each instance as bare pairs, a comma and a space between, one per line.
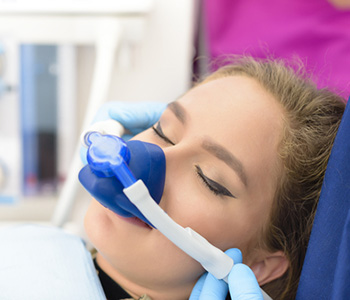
220, 142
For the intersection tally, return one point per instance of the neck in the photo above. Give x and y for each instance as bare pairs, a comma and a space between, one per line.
137, 290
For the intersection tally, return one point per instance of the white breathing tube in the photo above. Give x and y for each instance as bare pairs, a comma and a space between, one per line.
211, 258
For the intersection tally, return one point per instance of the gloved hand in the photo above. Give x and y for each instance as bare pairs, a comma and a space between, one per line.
242, 283
135, 117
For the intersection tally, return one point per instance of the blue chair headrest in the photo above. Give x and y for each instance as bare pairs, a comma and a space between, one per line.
326, 269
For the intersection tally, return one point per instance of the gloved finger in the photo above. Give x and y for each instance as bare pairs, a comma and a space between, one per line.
137, 115
235, 254
215, 289
103, 112
101, 115
198, 287
83, 153
243, 284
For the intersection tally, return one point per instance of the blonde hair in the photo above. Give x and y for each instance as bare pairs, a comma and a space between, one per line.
312, 118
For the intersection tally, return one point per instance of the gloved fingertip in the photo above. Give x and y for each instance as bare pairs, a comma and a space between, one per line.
102, 114
235, 254
197, 289
214, 288
242, 281
120, 116
128, 119
243, 270
136, 115
83, 152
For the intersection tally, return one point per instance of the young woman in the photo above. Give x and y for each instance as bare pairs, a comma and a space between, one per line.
246, 151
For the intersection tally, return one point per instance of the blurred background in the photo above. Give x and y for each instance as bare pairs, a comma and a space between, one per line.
55, 60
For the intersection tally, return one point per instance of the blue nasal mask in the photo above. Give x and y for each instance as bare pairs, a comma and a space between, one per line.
128, 178
114, 165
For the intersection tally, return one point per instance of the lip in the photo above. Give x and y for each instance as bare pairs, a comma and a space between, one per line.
131, 220
135, 221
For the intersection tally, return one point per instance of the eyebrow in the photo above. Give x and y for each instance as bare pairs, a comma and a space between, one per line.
212, 147
178, 111
227, 157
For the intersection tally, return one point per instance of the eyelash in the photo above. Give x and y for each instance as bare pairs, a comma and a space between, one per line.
159, 132
216, 188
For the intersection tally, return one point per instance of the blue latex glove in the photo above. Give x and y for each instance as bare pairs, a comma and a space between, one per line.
135, 117
242, 283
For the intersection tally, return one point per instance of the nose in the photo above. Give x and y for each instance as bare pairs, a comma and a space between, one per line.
180, 154
179, 159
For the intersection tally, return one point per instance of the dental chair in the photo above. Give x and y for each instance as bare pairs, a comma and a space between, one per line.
45, 263
326, 269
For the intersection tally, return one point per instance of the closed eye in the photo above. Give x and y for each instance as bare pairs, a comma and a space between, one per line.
159, 132
212, 185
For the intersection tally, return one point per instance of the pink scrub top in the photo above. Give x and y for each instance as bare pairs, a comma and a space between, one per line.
312, 30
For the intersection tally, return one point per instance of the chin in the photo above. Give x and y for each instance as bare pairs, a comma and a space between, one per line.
133, 252
110, 233
96, 223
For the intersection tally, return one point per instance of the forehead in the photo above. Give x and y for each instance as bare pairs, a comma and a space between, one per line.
234, 90
239, 101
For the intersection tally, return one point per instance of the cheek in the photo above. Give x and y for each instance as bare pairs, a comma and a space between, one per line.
95, 224
191, 208
226, 223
